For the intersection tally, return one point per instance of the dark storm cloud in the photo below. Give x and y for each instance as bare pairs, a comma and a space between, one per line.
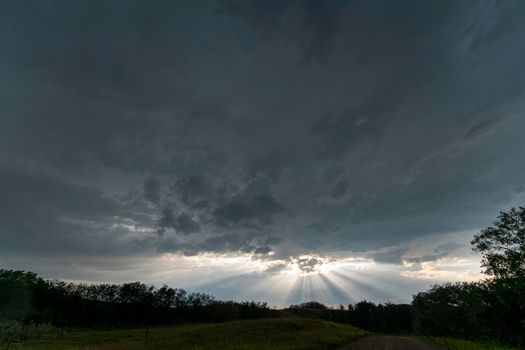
151, 190
167, 219
194, 191
339, 134
221, 243
390, 255
339, 190
307, 264
46, 214
438, 252
260, 209
182, 222
262, 250
482, 128
257, 126
323, 20
264, 15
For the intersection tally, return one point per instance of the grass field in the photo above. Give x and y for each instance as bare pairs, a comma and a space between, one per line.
275, 334
459, 344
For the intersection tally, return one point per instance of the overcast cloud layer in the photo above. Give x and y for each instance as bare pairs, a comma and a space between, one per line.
143, 140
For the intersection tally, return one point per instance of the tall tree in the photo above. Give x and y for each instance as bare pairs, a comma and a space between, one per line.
503, 245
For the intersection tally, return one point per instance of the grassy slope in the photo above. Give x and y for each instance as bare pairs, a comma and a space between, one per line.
459, 344
275, 334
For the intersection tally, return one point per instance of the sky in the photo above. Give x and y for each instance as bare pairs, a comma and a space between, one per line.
281, 151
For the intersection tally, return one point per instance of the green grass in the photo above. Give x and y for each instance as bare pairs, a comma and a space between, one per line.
460, 344
275, 334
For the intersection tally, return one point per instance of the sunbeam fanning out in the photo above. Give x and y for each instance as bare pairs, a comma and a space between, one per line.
329, 279
305, 277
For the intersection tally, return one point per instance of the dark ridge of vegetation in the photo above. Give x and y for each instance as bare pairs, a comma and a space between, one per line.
492, 310
309, 305
379, 318
28, 298
489, 310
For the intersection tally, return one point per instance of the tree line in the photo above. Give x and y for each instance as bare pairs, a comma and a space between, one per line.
492, 309
26, 297
379, 318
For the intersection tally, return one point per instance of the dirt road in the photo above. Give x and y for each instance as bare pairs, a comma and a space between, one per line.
387, 342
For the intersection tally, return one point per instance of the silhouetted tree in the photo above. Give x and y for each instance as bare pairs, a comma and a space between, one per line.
309, 305
16, 299
493, 309
503, 245
451, 310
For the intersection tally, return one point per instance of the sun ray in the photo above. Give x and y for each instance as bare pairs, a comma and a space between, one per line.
334, 287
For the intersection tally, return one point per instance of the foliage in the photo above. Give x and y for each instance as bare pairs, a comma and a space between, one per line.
451, 309
16, 289
275, 334
381, 318
309, 305
487, 310
28, 298
493, 309
503, 245
13, 331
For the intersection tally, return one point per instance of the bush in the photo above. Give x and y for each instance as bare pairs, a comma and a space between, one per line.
14, 331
